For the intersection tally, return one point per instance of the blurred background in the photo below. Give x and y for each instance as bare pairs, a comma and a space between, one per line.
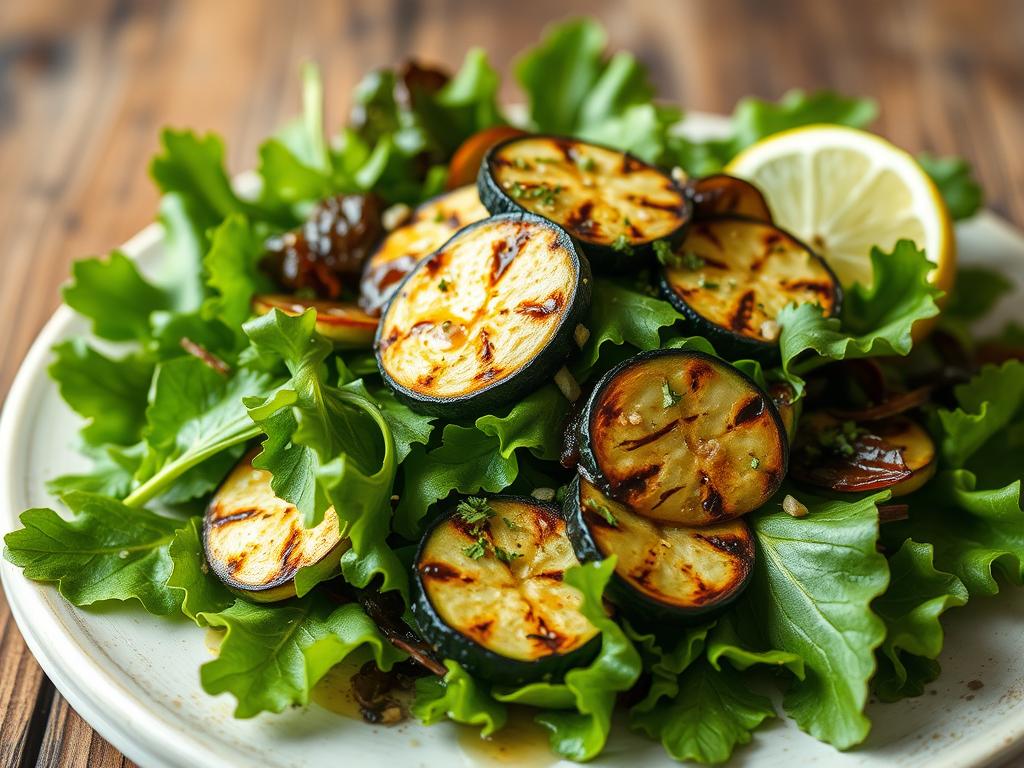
86, 85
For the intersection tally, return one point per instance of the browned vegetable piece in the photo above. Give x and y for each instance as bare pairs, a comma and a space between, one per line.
852, 457
465, 163
723, 195
342, 322
328, 250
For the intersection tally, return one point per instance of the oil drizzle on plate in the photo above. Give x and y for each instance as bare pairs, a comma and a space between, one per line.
334, 691
521, 743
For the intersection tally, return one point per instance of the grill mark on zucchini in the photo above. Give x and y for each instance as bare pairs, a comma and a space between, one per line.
745, 309
236, 517
444, 572
749, 411
708, 233
549, 306
640, 442
486, 350
503, 252
666, 495
731, 545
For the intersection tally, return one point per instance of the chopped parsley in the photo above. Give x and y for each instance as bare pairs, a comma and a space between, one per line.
477, 549
504, 555
703, 282
443, 286
585, 163
521, 164
622, 245
439, 216
475, 511
541, 192
841, 439
754, 462
685, 260
602, 511
510, 524
669, 396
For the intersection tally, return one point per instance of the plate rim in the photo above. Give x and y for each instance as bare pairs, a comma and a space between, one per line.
134, 724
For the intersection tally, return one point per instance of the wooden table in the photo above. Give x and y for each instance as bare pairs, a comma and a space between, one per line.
85, 86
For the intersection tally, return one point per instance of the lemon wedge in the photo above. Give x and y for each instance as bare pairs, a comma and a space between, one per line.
843, 191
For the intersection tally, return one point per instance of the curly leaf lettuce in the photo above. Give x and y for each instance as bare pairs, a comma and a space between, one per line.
877, 319
587, 694
952, 175
460, 698
813, 584
106, 551
987, 405
272, 655
918, 595
200, 591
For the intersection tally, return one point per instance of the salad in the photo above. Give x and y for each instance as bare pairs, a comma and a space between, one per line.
573, 412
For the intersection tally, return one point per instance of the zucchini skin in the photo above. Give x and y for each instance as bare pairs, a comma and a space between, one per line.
588, 465
478, 660
729, 344
720, 194
604, 259
529, 377
640, 608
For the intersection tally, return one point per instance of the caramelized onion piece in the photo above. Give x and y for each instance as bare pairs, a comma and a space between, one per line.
891, 406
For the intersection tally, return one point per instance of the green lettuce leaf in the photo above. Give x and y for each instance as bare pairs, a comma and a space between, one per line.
460, 698
234, 276
918, 595
713, 712
952, 175
408, 427
664, 664
112, 472
180, 273
580, 711
106, 551
272, 655
534, 423
729, 642
988, 403
200, 590
877, 320
114, 296
110, 393
813, 584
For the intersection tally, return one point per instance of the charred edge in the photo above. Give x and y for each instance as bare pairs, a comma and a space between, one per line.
608, 412
388, 340
245, 514
567, 149
636, 483
631, 165
699, 371
545, 524
744, 310
666, 495
290, 544
711, 502
504, 252
482, 630
551, 575
708, 234
487, 375
579, 219
426, 380
443, 572
486, 348
814, 286
236, 562
734, 546
640, 442
546, 636
646, 202
549, 306
749, 411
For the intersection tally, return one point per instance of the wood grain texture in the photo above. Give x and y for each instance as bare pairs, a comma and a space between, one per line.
85, 86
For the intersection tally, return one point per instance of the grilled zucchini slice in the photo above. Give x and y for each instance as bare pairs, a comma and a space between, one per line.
345, 324
430, 226
682, 437
486, 318
489, 591
255, 542
615, 204
722, 195
851, 457
730, 278
665, 573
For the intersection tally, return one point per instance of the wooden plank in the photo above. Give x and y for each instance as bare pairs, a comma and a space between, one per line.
85, 86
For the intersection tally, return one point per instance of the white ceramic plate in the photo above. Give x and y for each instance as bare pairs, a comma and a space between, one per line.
135, 678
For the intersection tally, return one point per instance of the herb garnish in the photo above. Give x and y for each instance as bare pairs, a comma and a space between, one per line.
477, 549
622, 245
603, 511
669, 396
443, 286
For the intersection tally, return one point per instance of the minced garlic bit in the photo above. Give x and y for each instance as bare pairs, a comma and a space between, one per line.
793, 507
634, 418
543, 494
581, 334
567, 384
395, 216
679, 175
770, 330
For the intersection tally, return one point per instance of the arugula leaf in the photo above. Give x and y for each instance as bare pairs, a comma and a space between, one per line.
196, 428
114, 296
620, 315
918, 595
952, 175
180, 273
460, 698
664, 664
976, 532
589, 692
714, 711
109, 393
877, 320
987, 405
232, 265
813, 584
754, 119
728, 642
272, 656
112, 473
467, 461
200, 591
469, 101
107, 551
408, 427
193, 166
977, 291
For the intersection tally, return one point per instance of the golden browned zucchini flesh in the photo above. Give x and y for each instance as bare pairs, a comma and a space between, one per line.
255, 542
430, 226
722, 195
851, 457
683, 438
663, 572
613, 202
345, 324
490, 593
730, 277
486, 319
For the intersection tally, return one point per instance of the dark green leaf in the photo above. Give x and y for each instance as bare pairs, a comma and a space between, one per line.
201, 591
952, 175
460, 698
